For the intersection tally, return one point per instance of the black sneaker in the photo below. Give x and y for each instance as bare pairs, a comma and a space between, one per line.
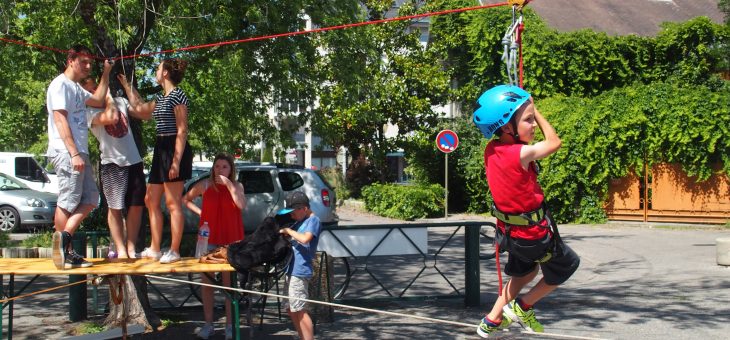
74, 260
58, 252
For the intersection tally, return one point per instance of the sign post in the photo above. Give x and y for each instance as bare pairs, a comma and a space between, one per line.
446, 141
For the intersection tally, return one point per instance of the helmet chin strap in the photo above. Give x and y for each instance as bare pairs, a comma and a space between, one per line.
514, 133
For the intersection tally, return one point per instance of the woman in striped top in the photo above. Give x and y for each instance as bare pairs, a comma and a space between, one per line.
172, 160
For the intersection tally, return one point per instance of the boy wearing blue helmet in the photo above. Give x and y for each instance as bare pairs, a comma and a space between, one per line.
524, 227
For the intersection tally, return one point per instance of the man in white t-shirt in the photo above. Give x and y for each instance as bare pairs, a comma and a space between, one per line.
122, 171
68, 149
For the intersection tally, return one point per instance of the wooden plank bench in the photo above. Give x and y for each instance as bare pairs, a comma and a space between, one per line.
36, 267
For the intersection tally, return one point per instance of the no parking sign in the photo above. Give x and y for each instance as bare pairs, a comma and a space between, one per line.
447, 141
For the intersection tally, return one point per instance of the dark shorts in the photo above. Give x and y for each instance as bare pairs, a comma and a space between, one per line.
556, 270
162, 160
123, 186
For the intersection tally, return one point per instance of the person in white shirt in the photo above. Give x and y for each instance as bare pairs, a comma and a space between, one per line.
68, 149
121, 172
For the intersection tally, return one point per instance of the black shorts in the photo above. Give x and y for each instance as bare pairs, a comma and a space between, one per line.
136, 187
162, 160
556, 270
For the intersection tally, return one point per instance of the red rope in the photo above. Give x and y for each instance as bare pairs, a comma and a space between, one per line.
40, 47
499, 268
274, 36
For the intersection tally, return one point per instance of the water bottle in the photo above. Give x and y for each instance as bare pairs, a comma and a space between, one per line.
202, 247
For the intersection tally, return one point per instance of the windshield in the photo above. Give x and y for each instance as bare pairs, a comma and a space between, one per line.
9, 183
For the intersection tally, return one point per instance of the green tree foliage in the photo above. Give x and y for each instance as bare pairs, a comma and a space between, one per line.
467, 187
724, 6
377, 75
616, 102
582, 63
230, 86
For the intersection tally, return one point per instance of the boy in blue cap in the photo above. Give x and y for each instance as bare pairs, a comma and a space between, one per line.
304, 235
525, 228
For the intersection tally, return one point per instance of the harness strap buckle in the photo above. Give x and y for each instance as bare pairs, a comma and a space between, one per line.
545, 258
525, 219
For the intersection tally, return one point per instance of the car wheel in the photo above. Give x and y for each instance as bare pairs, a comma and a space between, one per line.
9, 219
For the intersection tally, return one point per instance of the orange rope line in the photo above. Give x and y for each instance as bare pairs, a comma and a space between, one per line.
47, 290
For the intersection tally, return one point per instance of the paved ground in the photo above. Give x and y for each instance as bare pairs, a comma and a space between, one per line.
636, 281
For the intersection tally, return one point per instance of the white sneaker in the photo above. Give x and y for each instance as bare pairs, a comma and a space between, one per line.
170, 256
148, 253
206, 331
229, 332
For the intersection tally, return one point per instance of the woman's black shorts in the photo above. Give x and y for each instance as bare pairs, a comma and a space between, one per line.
162, 160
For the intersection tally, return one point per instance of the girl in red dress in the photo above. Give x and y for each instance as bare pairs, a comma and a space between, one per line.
223, 201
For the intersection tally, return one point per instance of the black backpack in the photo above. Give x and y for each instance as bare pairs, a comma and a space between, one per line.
265, 245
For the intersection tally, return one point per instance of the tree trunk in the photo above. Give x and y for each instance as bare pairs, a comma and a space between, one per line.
135, 308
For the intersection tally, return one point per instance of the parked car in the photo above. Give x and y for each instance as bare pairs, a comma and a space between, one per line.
266, 186
24, 168
23, 206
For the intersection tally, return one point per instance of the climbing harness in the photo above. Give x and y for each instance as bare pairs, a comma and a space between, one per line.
503, 239
524, 219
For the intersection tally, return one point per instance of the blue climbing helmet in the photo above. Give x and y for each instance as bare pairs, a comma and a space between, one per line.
496, 106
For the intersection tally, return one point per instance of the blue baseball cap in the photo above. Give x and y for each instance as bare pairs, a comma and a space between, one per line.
294, 200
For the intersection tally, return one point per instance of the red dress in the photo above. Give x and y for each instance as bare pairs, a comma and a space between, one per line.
514, 189
222, 214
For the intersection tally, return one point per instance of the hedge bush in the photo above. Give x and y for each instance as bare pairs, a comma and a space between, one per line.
405, 202
579, 63
609, 135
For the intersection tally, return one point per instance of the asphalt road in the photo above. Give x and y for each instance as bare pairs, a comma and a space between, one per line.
636, 281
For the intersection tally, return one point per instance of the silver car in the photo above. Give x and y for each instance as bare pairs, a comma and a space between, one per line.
23, 206
266, 186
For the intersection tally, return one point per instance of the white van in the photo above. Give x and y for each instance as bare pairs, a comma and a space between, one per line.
25, 168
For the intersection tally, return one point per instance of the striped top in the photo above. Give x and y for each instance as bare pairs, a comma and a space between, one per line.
164, 113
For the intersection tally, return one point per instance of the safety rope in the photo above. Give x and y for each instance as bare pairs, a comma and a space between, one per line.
370, 310
272, 36
94, 279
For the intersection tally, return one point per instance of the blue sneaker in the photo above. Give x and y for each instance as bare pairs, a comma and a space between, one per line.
486, 327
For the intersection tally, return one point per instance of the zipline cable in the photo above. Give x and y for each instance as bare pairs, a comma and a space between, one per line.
455, 323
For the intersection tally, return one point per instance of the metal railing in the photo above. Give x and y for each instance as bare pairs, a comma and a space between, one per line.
379, 262
375, 271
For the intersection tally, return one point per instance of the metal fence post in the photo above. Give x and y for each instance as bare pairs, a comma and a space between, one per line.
471, 275
77, 294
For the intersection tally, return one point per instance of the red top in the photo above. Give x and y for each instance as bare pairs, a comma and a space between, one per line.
223, 216
514, 189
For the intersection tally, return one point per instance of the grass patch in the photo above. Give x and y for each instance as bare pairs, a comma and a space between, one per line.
88, 328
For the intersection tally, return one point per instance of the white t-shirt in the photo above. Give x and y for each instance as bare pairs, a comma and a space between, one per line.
65, 94
115, 141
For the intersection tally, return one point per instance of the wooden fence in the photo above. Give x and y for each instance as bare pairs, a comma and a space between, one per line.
667, 194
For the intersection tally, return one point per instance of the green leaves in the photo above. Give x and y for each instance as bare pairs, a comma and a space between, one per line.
404, 202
